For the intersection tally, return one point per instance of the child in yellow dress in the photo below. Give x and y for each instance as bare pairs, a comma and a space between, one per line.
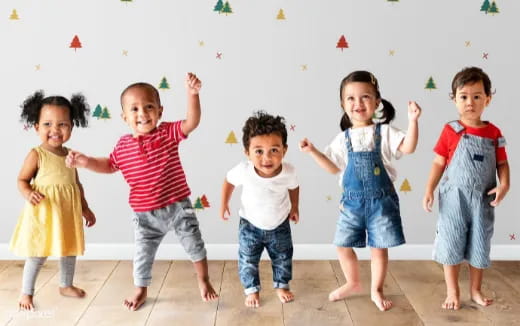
51, 221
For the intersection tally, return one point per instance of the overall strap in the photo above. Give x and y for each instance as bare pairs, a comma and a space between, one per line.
377, 138
347, 140
456, 126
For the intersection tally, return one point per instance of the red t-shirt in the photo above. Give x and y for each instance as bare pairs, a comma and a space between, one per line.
152, 168
449, 139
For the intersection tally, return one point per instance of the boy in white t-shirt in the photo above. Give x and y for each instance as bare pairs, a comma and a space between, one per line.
269, 200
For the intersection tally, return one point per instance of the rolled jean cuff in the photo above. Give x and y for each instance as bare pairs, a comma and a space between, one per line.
278, 285
142, 283
252, 290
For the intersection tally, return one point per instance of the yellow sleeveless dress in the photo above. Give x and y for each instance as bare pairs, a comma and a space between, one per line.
53, 227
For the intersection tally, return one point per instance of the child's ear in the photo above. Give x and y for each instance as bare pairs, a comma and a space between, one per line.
123, 116
488, 100
36, 126
160, 111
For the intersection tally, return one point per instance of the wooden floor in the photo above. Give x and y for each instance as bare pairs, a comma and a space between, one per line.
416, 287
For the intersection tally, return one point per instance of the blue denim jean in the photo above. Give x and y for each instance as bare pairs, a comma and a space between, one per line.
252, 242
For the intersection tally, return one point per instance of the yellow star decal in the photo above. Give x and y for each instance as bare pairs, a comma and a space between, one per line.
37, 67
304, 67
468, 43
391, 52
125, 53
201, 43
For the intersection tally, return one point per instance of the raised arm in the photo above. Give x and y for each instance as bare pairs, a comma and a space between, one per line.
409, 142
97, 164
27, 173
227, 191
193, 85
320, 158
439, 163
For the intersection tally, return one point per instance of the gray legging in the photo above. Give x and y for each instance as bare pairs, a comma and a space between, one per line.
34, 264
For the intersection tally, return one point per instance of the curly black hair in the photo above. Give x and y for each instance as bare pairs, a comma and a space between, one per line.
32, 106
262, 123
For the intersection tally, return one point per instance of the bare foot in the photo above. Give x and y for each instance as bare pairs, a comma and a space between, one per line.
134, 302
344, 291
207, 292
72, 291
285, 295
380, 300
452, 302
253, 300
26, 302
480, 299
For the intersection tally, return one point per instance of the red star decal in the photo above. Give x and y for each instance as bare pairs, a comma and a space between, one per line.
292, 127
485, 55
219, 55
512, 237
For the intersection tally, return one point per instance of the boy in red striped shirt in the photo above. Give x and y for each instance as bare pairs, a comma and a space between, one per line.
149, 161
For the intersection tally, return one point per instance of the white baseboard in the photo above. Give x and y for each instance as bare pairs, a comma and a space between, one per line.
167, 251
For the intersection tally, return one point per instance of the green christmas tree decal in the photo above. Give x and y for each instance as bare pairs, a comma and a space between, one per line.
97, 111
14, 15
227, 8
231, 139
485, 6
342, 43
198, 204
218, 7
405, 186
127, 0
430, 84
164, 84
105, 114
281, 15
493, 9
392, 0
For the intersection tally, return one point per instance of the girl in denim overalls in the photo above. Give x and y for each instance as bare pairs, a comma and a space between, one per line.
473, 150
362, 153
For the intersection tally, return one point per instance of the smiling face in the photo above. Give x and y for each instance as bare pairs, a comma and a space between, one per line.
359, 101
471, 100
141, 110
54, 127
266, 152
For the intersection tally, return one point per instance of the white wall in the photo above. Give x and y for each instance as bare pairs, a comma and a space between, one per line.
260, 68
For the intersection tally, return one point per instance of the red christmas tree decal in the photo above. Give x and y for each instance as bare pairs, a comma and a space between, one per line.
342, 43
75, 44
205, 202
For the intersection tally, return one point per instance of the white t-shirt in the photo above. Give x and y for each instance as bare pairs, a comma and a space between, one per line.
265, 201
362, 141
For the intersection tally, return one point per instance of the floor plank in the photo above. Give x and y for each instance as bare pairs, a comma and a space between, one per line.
510, 271
59, 310
179, 301
231, 309
107, 307
4, 264
423, 284
312, 282
364, 312
11, 280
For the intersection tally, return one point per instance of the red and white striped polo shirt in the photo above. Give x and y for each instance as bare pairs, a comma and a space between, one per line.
152, 168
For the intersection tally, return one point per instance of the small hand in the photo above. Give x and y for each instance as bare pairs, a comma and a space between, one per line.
294, 215
428, 202
193, 84
414, 111
224, 213
76, 159
500, 192
90, 218
306, 146
34, 197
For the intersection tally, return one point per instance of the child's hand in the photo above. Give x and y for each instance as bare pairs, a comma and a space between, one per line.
76, 159
90, 218
306, 146
294, 215
414, 111
34, 197
224, 212
500, 192
193, 84
428, 202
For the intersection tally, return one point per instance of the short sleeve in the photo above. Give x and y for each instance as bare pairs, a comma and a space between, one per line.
336, 151
113, 157
236, 175
501, 154
395, 138
175, 130
292, 180
442, 146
